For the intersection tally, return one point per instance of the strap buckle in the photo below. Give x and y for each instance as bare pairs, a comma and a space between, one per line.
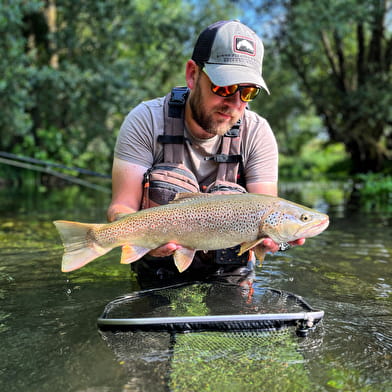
177, 101
234, 131
224, 158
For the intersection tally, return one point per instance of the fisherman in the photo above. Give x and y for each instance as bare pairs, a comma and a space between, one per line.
201, 138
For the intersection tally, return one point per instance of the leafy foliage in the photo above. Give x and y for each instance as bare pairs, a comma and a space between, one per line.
317, 160
375, 192
70, 71
341, 54
15, 71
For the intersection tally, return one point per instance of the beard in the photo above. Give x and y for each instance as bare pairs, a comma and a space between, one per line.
204, 118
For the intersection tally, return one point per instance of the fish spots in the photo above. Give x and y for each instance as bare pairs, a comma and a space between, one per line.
210, 221
273, 219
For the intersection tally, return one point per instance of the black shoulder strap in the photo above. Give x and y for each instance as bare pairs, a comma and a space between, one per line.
230, 156
173, 138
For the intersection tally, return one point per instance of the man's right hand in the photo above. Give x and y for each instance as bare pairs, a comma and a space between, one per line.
165, 250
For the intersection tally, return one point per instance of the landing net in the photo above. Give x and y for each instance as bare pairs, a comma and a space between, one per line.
209, 307
211, 337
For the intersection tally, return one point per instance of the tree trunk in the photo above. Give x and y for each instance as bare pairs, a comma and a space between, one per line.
366, 153
51, 14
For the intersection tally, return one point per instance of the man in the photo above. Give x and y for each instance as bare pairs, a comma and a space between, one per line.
223, 76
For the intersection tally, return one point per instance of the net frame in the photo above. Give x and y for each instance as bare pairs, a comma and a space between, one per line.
303, 322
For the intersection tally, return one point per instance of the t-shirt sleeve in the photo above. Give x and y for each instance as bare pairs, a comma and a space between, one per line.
136, 140
261, 155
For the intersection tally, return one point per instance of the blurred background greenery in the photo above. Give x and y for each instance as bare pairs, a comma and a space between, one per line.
71, 70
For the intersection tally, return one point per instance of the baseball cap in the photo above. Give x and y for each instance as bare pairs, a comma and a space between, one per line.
230, 53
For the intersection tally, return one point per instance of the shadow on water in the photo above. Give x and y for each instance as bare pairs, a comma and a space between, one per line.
50, 339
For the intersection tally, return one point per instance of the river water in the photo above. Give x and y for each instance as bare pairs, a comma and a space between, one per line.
48, 319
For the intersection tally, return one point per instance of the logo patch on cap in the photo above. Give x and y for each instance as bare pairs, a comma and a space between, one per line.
244, 45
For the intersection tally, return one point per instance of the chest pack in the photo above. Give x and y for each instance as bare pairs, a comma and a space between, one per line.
164, 180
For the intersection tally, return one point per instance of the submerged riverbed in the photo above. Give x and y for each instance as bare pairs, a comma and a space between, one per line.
50, 340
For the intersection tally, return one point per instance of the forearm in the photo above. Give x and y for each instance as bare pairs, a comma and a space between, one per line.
127, 189
115, 211
266, 188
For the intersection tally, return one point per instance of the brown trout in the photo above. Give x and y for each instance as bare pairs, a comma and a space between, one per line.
196, 222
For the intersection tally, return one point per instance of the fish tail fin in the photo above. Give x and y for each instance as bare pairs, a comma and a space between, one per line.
79, 246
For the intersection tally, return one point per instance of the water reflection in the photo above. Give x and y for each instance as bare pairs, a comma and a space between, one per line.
48, 326
347, 273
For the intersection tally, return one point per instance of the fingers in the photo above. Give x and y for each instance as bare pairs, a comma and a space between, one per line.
300, 241
273, 247
224, 192
270, 245
165, 250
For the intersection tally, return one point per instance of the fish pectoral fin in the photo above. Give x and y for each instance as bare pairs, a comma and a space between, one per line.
183, 258
257, 247
260, 252
131, 253
249, 245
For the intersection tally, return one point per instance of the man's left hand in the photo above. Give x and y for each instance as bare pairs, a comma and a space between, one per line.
273, 247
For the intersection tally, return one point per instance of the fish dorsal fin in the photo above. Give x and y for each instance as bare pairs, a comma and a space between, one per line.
186, 196
122, 215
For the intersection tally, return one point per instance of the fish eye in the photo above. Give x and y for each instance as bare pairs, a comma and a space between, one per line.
305, 217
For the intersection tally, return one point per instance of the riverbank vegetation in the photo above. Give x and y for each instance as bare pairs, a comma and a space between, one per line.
70, 71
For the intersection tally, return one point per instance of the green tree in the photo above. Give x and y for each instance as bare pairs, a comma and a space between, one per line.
341, 53
71, 70
15, 70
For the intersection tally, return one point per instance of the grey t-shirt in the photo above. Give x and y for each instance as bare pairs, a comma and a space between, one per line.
137, 143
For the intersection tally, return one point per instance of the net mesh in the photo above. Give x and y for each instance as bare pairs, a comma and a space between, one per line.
212, 361
235, 361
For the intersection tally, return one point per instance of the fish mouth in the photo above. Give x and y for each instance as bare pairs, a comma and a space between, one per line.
315, 229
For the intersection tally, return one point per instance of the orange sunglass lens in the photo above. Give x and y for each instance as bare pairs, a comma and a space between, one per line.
249, 93
225, 91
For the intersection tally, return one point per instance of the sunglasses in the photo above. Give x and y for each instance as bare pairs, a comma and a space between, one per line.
247, 93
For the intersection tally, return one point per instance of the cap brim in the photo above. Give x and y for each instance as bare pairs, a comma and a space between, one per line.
226, 75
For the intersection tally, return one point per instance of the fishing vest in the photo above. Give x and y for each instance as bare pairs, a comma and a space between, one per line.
164, 180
